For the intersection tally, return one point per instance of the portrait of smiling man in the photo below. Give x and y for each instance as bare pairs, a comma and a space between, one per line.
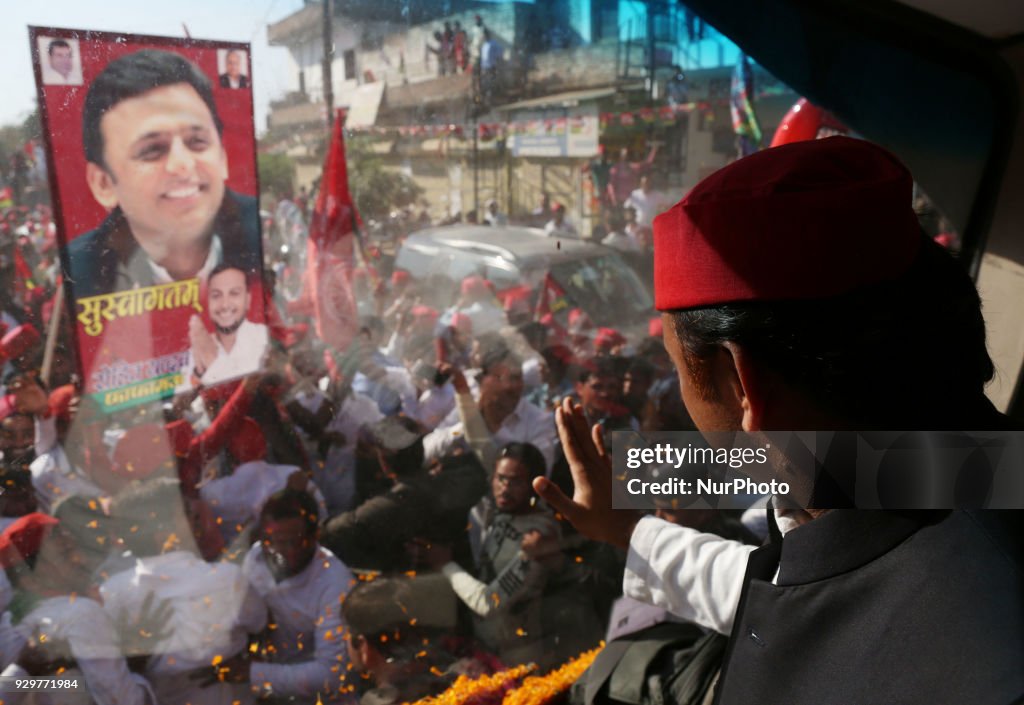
156, 163
237, 346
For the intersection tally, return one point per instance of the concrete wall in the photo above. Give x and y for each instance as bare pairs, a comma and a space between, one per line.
573, 69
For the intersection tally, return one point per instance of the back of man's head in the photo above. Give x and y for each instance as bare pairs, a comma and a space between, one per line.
400, 441
385, 613
131, 76
813, 262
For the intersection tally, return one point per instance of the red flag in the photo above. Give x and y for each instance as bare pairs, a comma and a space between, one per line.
23, 282
331, 249
552, 298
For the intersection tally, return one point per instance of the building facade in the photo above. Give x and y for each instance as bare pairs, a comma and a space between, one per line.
575, 76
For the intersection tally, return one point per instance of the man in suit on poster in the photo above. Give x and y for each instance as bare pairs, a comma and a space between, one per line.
233, 76
155, 161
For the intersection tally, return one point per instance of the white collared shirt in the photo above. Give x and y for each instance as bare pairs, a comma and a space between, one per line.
236, 499
53, 477
692, 574
92, 642
435, 404
337, 477
566, 229
245, 357
310, 656
621, 240
214, 612
647, 205
526, 424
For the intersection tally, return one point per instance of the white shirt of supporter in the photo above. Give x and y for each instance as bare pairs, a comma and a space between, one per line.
693, 575
566, 229
621, 240
214, 612
532, 374
487, 317
310, 655
310, 398
245, 357
11, 639
526, 424
6, 594
238, 498
399, 379
647, 205
53, 477
45, 434
435, 404
337, 478
102, 674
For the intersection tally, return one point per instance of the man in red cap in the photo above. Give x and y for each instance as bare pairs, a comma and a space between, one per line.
477, 301
609, 341
51, 583
799, 293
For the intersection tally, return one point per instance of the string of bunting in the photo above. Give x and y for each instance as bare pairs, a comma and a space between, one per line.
664, 115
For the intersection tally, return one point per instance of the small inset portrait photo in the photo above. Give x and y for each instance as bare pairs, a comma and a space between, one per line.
233, 67
60, 61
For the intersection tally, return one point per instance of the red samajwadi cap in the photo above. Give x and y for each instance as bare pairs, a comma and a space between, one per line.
608, 338
808, 220
24, 537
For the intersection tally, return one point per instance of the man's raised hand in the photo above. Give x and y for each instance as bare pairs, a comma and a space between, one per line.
590, 509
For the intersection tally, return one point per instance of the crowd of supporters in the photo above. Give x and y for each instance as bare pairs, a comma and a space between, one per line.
345, 524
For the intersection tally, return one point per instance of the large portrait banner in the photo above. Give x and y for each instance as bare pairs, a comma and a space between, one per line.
152, 166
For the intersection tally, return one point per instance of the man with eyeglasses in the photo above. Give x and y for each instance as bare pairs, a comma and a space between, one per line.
504, 590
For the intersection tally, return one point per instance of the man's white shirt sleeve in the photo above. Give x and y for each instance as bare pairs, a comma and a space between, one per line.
693, 575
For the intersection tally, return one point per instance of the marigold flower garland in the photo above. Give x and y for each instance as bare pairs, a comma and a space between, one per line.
501, 687
541, 690
485, 690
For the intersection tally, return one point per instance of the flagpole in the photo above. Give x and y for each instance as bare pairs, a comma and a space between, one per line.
328, 79
476, 167
52, 332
